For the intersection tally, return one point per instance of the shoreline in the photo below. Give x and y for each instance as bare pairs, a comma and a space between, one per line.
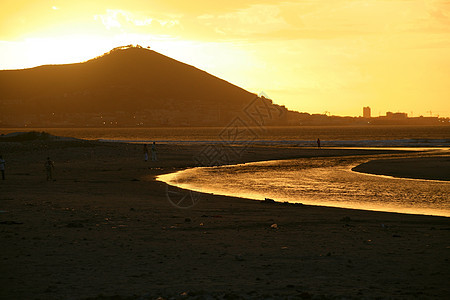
102, 229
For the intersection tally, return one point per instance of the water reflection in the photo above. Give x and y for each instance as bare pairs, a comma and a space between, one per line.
319, 181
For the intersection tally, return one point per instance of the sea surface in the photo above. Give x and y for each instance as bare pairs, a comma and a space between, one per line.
341, 136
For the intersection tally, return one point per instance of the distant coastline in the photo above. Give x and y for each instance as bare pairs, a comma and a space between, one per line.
173, 119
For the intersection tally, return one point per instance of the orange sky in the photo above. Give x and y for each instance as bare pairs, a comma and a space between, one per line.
313, 56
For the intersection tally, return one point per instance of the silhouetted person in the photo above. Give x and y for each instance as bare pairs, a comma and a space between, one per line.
154, 158
2, 167
318, 143
49, 167
145, 153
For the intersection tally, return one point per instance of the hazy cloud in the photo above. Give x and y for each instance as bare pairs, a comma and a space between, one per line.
256, 19
128, 21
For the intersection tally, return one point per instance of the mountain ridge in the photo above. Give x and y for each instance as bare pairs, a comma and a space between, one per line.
127, 81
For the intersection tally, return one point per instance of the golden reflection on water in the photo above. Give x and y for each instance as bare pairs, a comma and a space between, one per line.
318, 181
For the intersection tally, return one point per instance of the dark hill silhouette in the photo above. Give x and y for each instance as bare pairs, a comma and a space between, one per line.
128, 85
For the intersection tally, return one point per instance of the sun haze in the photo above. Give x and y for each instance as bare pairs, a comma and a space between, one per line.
312, 56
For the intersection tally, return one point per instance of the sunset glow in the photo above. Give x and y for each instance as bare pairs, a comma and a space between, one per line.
312, 56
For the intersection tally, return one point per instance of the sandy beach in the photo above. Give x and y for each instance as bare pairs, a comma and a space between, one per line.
434, 168
104, 229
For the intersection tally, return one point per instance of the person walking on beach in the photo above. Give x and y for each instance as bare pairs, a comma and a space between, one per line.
318, 143
2, 167
154, 158
49, 167
145, 153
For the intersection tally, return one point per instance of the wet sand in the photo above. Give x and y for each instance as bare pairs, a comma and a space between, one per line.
434, 168
105, 227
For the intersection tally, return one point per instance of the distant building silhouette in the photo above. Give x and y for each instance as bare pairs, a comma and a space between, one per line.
366, 112
396, 116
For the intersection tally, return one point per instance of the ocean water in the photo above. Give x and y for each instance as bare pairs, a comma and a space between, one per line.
319, 181
341, 136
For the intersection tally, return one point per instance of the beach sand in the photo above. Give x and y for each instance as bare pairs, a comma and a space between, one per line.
435, 167
106, 230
